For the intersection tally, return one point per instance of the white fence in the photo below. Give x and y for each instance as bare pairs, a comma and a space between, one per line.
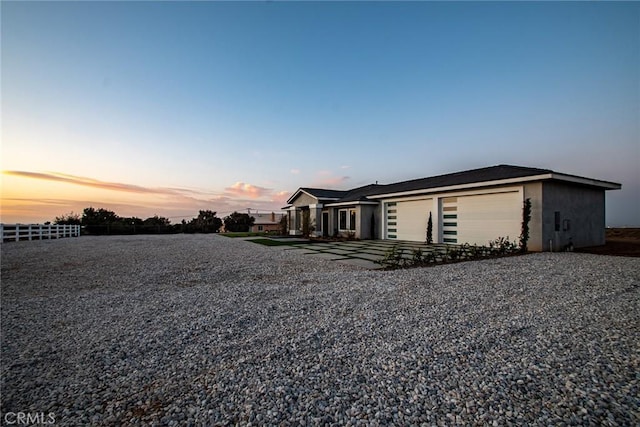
17, 232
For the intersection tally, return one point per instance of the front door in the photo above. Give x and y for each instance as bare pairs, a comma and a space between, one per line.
325, 224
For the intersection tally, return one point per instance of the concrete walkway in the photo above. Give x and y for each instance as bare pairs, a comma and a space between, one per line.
363, 253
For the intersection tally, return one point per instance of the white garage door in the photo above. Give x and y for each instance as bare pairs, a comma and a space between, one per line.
486, 217
407, 220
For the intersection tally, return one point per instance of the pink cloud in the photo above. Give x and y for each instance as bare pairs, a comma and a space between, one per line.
331, 181
90, 182
241, 189
281, 196
326, 178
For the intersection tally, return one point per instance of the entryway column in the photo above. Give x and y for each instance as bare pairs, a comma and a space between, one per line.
294, 221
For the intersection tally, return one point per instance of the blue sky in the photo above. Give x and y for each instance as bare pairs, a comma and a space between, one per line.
169, 107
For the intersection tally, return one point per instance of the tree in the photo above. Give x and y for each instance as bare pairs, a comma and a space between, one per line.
284, 226
238, 222
92, 216
430, 230
157, 221
68, 219
207, 222
98, 221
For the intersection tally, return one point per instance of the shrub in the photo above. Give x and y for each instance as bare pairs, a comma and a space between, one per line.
393, 258
502, 246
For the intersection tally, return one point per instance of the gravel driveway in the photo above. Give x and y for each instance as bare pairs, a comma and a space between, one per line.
206, 330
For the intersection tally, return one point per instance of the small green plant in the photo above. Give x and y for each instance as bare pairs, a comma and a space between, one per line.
430, 257
417, 257
502, 246
445, 254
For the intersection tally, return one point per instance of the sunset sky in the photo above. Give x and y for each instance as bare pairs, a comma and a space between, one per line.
167, 108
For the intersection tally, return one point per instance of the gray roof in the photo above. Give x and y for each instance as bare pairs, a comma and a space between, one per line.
321, 193
491, 173
474, 176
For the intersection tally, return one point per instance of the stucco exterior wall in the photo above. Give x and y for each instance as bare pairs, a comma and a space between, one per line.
533, 191
581, 216
363, 221
304, 199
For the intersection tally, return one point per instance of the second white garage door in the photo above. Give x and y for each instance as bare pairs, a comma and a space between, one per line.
486, 217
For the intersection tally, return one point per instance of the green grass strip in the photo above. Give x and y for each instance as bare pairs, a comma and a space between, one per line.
243, 234
269, 242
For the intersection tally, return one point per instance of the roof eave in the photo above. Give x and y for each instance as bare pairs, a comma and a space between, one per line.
605, 185
301, 190
351, 203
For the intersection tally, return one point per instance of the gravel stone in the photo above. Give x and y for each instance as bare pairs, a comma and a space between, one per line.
208, 330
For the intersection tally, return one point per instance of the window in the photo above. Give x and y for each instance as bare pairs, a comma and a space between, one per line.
260, 228
347, 219
343, 220
556, 217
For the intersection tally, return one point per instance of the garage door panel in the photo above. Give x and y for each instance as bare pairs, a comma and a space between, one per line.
486, 217
411, 221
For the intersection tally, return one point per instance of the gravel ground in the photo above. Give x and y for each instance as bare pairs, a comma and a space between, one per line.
206, 330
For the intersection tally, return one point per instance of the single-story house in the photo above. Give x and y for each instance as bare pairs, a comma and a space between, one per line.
266, 222
474, 206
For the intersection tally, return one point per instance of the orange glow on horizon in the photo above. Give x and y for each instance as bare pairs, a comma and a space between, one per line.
29, 197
